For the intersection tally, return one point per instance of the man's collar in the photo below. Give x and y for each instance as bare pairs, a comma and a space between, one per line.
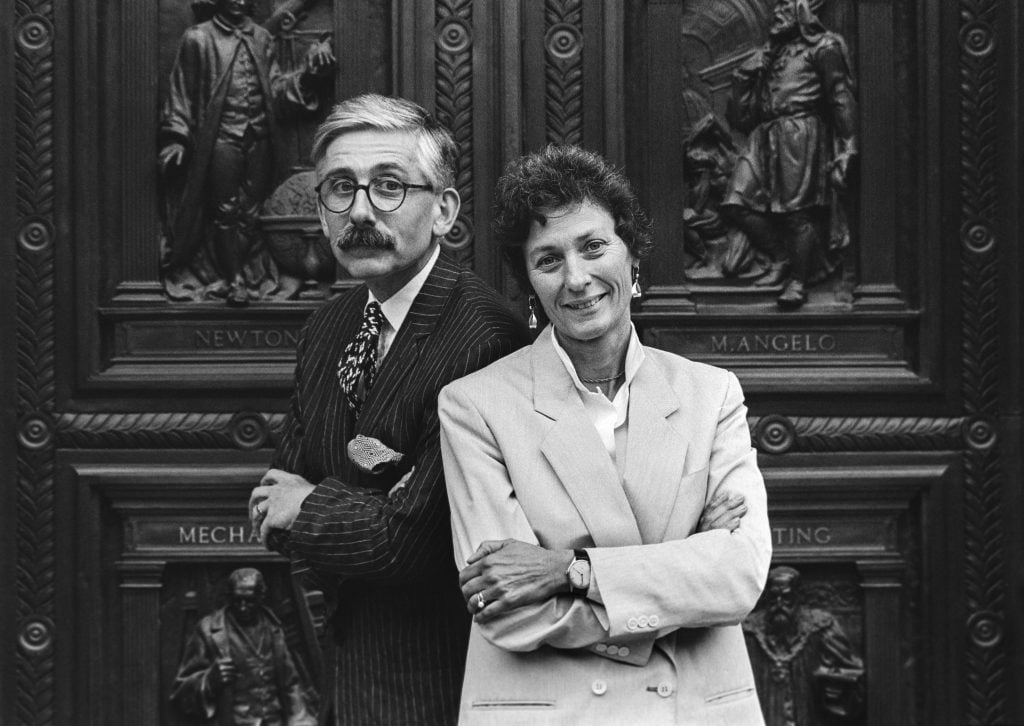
225, 26
396, 307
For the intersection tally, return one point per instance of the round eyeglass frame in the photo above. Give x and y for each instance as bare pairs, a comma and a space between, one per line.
366, 188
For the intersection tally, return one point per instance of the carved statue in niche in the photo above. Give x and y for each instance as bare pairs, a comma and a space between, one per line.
779, 182
218, 132
807, 673
237, 668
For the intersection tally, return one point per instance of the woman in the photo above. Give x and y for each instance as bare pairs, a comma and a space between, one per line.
578, 470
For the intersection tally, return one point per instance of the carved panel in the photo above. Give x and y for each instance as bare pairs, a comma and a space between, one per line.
709, 292
35, 587
980, 252
563, 71
453, 35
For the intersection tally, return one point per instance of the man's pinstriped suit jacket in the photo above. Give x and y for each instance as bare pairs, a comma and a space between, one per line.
386, 561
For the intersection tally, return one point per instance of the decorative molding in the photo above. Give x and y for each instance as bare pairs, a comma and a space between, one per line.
563, 71
776, 434
34, 194
245, 430
986, 692
773, 434
453, 66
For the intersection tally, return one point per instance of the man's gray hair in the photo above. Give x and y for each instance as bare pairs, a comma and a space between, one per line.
438, 149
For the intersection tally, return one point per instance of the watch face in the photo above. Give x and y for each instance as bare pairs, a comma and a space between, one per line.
579, 574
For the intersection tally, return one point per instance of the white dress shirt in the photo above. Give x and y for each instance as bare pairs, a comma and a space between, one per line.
608, 416
396, 307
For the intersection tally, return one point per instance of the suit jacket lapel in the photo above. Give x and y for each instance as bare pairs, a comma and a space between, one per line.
574, 450
655, 450
406, 347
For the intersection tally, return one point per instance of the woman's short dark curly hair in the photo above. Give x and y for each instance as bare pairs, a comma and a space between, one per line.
539, 183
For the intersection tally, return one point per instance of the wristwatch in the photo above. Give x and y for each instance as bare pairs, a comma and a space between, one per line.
578, 573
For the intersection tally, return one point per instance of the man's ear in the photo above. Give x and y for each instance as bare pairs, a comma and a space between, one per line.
321, 213
447, 211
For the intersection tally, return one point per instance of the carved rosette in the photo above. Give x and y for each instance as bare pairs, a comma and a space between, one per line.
563, 71
34, 168
453, 65
979, 247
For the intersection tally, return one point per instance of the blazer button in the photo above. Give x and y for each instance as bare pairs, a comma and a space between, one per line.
623, 650
643, 621
632, 624
613, 650
664, 689
653, 621
599, 687
601, 647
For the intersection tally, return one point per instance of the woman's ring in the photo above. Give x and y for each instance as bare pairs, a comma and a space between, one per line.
480, 602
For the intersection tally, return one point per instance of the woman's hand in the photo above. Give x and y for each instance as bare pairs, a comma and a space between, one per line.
724, 511
509, 574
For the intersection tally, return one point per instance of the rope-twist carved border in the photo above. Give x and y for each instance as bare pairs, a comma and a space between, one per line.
775, 434
34, 190
772, 434
244, 430
563, 71
453, 66
984, 541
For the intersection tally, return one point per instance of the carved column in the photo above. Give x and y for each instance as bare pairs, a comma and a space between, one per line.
881, 582
139, 582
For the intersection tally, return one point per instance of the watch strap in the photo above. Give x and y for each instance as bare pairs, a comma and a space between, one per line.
578, 556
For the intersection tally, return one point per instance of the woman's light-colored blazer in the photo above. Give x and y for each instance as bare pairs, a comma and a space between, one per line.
661, 644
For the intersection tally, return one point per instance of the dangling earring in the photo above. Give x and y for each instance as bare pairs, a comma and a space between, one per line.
637, 292
532, 322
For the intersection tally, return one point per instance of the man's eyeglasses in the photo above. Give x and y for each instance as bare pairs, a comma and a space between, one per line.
386, 194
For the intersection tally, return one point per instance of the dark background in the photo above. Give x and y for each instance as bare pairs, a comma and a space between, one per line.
904, 441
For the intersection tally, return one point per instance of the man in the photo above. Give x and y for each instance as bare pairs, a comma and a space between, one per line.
371, 525
237, 666
220, 122
806, 670
795, 97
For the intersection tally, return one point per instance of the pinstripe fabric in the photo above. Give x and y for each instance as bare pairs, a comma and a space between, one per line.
400, 624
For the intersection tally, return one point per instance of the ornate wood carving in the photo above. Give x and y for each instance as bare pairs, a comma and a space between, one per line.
245, 430
453, 64
563, 71
777, 434
979, 257
34, 131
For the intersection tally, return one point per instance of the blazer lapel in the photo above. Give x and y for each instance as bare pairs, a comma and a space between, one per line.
574, 450
655, 450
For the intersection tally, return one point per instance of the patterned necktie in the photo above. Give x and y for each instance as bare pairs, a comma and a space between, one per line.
360, 356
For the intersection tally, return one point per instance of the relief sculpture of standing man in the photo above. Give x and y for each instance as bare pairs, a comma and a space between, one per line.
218, 126
795, 98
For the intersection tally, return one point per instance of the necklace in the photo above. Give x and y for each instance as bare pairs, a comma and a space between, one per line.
603, 380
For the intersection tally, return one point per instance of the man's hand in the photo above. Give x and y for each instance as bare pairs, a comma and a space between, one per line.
171, 155
724, 511
275, 503
222, 673
841, 169
320, 58
510, 574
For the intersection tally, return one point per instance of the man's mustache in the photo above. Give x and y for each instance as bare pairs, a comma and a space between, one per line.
372, 238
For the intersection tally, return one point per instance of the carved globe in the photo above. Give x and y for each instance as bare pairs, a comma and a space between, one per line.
292, 229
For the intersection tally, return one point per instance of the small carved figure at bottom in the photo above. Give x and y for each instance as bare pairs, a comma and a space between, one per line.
237, 668
807, 673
